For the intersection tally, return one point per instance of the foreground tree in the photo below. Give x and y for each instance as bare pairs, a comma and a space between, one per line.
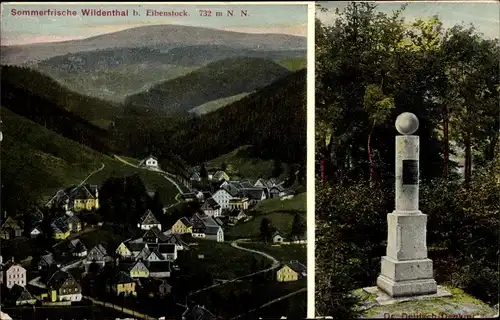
266, 229
298, 227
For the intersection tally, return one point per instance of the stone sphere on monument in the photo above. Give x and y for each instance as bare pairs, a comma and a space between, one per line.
407, 123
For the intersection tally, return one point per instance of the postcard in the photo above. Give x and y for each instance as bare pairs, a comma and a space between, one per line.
154, 160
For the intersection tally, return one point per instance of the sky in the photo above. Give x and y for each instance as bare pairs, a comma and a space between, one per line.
286, 19
483, 15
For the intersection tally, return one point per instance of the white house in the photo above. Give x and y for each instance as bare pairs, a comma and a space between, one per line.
13, 273
223, 195
150, 162
277, 238
148, 221
214, 233
35, 232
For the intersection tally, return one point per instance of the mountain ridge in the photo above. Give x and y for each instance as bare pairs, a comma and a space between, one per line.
146, 36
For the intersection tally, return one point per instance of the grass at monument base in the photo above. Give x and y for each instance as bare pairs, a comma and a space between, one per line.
460, 305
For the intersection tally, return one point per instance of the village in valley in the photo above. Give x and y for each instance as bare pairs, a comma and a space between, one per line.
174, 260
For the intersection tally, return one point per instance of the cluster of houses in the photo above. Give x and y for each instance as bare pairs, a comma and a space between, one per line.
200, 225
145, 262
242, 193
71, 200
61, 225
231, 200
59, 286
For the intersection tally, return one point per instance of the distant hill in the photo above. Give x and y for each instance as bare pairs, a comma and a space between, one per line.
272, 120
204, 54
162, 37
187, 56
42, 100
115, 73
81, 62
220, 79
112, 74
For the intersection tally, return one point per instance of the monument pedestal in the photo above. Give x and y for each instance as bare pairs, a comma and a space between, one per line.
406, 270
406, 288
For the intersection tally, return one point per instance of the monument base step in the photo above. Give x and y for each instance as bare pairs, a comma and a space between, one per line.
406, 288
382, 298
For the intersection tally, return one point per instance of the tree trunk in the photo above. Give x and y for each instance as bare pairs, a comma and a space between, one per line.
446, 142
468, 161
370, 164
331, 157
323, 180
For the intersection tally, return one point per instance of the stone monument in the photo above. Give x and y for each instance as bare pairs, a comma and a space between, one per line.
406, 270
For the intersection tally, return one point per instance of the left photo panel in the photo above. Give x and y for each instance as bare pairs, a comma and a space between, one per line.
153, 160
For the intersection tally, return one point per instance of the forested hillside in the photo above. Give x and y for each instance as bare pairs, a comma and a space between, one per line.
223, 78
32, 94
36, 160
272, 120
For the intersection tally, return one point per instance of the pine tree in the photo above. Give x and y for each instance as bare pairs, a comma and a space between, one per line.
277, 168
265, 229
298, 226
203, 172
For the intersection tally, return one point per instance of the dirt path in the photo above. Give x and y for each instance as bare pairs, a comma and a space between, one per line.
234, 244
91, 174
165, 174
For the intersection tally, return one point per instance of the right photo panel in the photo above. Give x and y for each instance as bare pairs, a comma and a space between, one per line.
407, 159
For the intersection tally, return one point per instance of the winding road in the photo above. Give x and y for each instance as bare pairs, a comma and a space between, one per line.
234, 244
163, 173
91, 174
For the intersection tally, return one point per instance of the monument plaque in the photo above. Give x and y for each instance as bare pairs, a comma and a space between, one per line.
410, 172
